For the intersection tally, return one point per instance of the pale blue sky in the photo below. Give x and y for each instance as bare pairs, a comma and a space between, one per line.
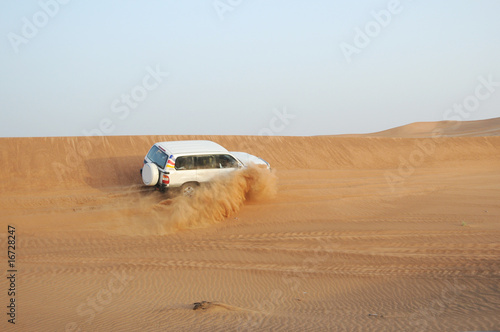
231, 70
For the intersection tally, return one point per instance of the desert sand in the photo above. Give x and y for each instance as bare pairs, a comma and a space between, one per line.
393, 231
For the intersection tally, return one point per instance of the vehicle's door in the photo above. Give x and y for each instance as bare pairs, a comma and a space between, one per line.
185, 171
211, 166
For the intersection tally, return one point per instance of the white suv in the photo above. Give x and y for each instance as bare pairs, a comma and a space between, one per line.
186, 164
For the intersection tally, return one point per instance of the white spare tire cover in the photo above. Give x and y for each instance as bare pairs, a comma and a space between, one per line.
150, 174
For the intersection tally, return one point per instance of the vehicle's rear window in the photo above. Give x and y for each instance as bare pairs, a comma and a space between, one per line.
157, 156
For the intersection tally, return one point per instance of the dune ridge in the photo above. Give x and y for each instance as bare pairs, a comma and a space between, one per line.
76, 162
488, 127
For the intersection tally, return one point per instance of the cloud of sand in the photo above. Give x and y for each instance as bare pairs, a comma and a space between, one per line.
212, 203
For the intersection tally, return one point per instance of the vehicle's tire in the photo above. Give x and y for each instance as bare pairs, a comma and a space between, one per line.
150, 174
189, 189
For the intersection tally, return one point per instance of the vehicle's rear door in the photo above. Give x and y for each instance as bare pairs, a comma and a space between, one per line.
185, 171
210, 166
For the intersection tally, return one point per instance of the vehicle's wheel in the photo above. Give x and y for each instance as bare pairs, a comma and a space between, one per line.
150, 174
189, 189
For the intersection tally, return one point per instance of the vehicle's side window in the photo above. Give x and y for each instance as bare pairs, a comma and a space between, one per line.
157, 156
226, 161
206, 162
184, 163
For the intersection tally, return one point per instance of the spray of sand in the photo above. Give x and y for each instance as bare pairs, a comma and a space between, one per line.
212, 203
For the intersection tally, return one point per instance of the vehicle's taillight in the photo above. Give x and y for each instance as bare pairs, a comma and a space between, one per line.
165, 179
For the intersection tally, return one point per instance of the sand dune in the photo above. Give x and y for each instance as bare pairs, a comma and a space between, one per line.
490, 127
392, 231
